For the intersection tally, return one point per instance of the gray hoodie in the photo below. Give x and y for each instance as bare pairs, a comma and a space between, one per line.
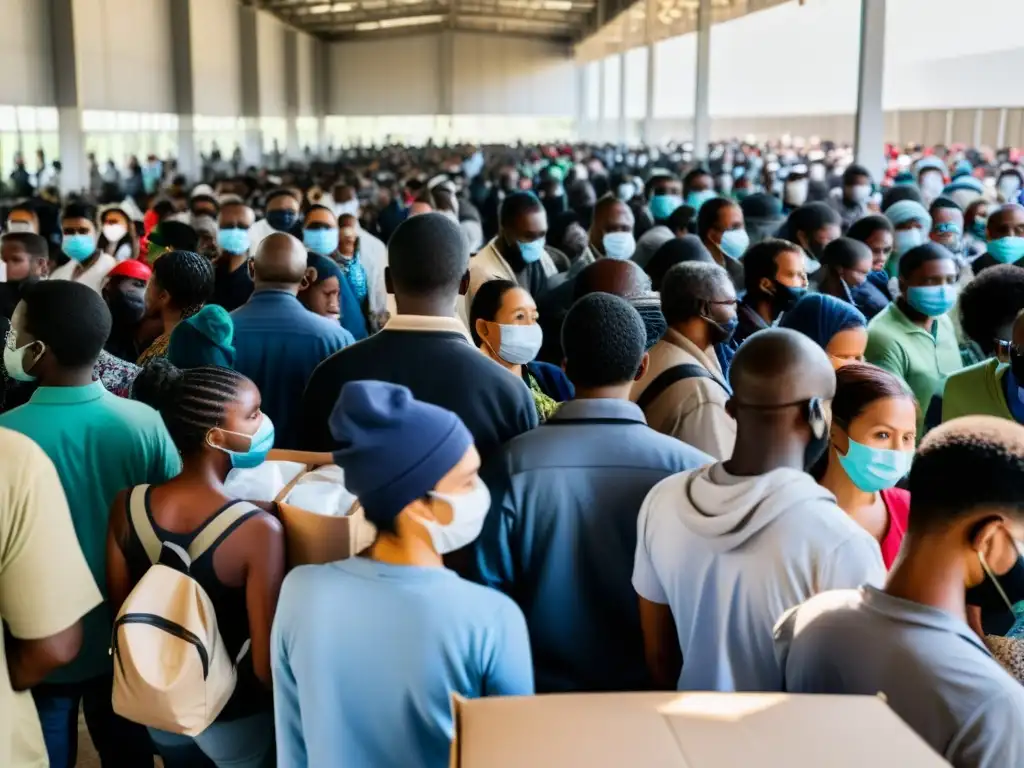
730, 555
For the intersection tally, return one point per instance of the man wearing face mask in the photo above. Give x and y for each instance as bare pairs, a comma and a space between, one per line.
125, 296
851, 199
1005, 238
775, 277
519, 252
86, 264
22, 218
721, 228
1009, 185
611, 234
233, 285
574, 528
664, 195
931, 178
340, 697
684, 391
914, 337
99, 444
911, 641
947, 226
698, 188
795, 189
912, 224
282, 215
723, 551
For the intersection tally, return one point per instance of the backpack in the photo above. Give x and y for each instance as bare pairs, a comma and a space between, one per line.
670, 376
171, 669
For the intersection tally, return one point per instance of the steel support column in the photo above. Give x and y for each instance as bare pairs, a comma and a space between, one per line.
869, 129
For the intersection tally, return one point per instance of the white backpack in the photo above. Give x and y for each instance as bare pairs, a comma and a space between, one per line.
171, 669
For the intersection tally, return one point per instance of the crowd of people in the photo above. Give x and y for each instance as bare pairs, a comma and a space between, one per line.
621, 421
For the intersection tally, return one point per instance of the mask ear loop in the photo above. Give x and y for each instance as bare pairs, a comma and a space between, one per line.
995, 581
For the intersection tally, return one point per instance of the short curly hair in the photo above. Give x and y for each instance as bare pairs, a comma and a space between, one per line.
990, 301
604, 341
187, 277
71, 319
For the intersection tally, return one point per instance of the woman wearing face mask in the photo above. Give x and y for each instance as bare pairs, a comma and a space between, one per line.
213, 415
503, 322
911, 224
836, 326
330, 295
125, 295
874, 428
975, 226
931, 178
1009, 185
117, 235
846, 264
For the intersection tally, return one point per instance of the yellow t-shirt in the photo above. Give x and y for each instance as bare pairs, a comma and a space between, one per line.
45, 584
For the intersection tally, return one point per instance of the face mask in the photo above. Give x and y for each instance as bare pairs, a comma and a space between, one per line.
127, 309
978, 227
349, 208
932, 185
14, 362
625, 192
932, 300
282, 220
234, 241
875, 469
1008, 188
819, 434
321, 241
817, 172
468, 513
722, 333
1009, 593
114, 232
1007, 250
260, 443
785, 297
663, 206
696, 199
860, 193
20, 226
618, 245
734, 243
795, 193
907, 239
519, 343
78, 247
531, 252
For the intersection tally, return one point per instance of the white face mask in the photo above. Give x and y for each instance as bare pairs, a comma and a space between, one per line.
860, 193
114, 232
14, 361
349, 207
468, 513
20, 226
796, 193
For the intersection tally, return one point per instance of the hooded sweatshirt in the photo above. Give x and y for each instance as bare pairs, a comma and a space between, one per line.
729, 555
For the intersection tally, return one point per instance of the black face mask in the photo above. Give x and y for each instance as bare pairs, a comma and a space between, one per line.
1017, 366
785, 297
996, 615
126, 309
654, 320
722, 333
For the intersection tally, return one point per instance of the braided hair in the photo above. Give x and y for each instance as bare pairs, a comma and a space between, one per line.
191, 402
187, 277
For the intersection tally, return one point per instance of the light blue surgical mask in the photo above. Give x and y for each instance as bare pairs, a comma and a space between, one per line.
322, 242
532, 251
619, 245
260, 443
906, 239
520, 344
875, 469
932, 300
78, 247
234, 241
734, 243
663, 206
1007, 250
696, 199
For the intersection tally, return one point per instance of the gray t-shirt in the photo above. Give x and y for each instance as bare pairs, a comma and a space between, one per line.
934, 670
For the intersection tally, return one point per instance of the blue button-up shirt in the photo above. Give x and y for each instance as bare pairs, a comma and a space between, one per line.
561, 536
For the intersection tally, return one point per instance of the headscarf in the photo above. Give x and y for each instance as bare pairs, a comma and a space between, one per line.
352, 319
819, 317
908, 210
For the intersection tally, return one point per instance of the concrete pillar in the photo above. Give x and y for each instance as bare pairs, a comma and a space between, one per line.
869, 132
623, 137
252, 143
74, 173
979, 121
601, 136
580, 112
1001, 135
702, 103
322, 66
948, 135
648, 132
184, 88
292, 150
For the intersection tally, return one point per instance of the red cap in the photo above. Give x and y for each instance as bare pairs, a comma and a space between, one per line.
132, 268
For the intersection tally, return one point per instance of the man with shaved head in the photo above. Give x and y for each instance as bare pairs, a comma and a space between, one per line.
724, 551
278, 342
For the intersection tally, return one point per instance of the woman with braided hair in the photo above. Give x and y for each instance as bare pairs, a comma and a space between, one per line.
181, 284
213, 415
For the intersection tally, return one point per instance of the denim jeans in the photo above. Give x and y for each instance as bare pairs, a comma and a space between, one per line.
119, 742
244, 743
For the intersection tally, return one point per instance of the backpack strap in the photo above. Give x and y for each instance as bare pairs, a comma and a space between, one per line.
672, 375
219, 527
138, 515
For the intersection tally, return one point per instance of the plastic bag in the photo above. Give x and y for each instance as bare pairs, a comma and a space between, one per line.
262, 483
323, 492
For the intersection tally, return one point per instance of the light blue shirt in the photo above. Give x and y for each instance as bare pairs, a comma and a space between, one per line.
366, 655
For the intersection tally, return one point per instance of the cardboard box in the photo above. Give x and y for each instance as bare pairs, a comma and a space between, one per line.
684, 730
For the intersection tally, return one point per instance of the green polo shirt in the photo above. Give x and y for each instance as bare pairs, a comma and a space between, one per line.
100, 444
922, 359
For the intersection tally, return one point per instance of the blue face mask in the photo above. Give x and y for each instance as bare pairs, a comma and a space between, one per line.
734, 243
663, 206
322, 242
696, 199
78, 247
260, 443
233, 241
907, 239
532, 251
1007, 250
520, 343
932, 300
875, 469
619, 245
282, 220
978, 227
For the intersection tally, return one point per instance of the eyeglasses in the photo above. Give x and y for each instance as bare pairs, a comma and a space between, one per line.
725, 303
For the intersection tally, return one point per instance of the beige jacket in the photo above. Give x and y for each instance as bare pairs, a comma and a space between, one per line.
691, 410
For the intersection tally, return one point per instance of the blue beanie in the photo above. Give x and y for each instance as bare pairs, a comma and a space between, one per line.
205, 338
394, 448
908, 210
